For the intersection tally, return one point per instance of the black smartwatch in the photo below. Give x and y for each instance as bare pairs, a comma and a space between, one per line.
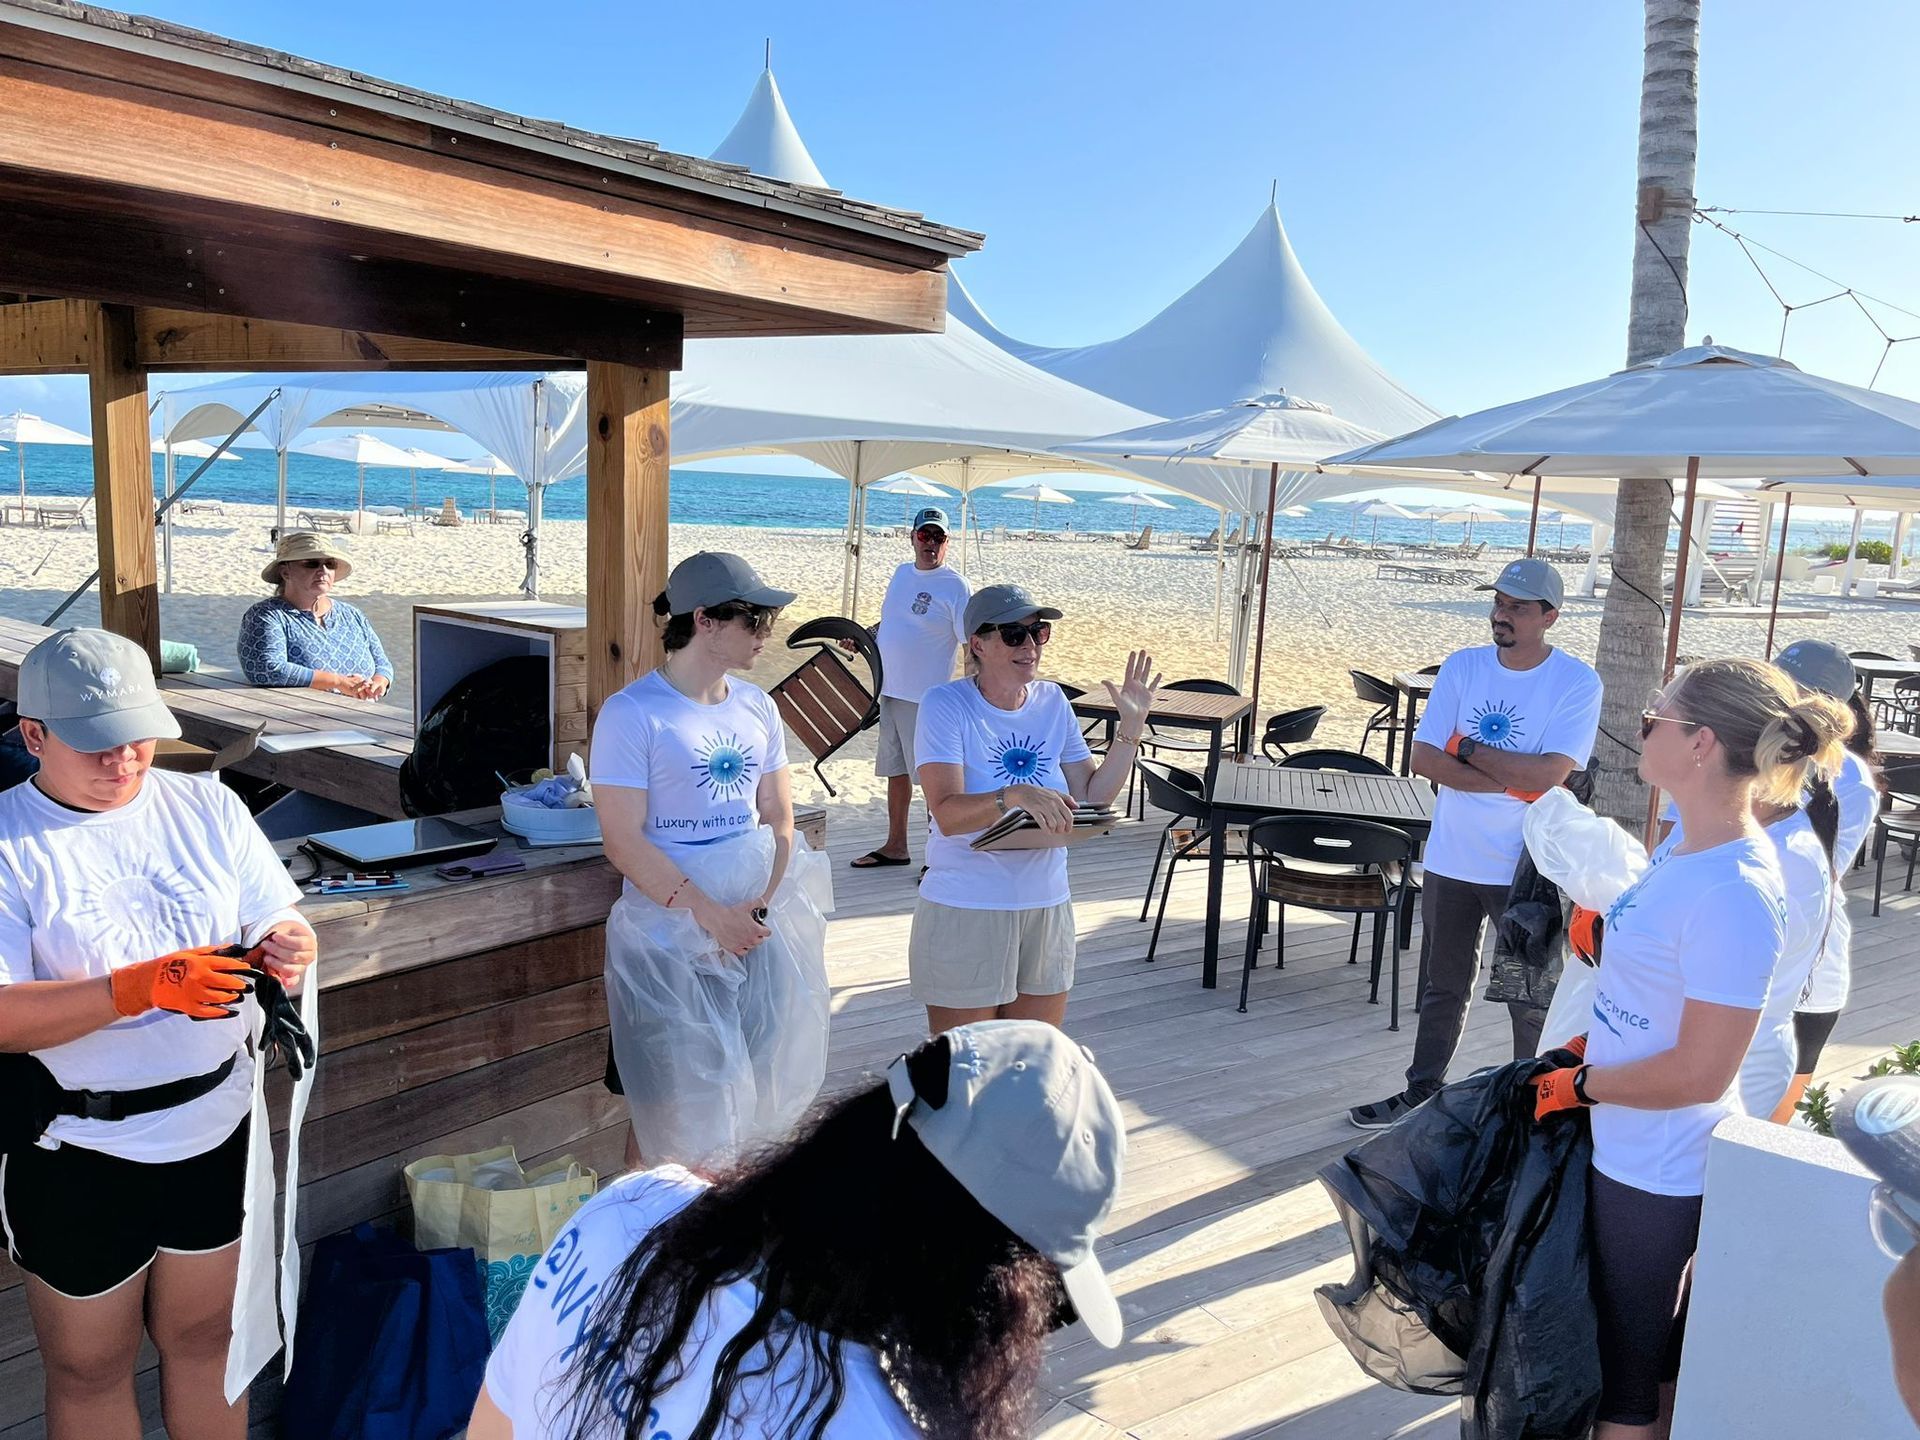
1464, 750
759, 913
1580, 1086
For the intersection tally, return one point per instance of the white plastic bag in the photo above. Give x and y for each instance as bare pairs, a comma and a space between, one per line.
718, 1053
1571, 1012
1589, 857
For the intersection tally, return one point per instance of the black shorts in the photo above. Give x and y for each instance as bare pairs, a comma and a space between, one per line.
613, 1072
1642, 1257
1811, 1031
85, 1223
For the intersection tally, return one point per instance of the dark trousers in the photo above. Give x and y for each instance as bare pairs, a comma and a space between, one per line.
1453, 914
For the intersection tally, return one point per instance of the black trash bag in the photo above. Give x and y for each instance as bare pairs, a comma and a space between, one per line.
1529, 942
1469, 1227
495, 720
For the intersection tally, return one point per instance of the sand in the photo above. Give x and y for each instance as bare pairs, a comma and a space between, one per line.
1327, 614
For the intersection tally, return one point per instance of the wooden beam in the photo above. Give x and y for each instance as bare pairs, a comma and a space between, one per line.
55, 249
194, 340
123, 483
626, 524
46, 337
275, 177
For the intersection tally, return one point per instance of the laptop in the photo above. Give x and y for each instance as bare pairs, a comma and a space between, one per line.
398, 843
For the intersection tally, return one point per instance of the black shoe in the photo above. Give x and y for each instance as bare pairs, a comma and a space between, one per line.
1384, 1113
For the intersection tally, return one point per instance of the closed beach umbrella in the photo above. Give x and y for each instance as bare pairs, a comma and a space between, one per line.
21, 430
1040, 495
363, 450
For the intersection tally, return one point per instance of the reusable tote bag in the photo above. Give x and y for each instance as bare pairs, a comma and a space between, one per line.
507, 1217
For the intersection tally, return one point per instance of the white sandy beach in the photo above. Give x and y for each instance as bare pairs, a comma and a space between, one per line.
1327, 615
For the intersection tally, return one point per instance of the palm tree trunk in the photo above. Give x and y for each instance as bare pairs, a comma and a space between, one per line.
1630, 650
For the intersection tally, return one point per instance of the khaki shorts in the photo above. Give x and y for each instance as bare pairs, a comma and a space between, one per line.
894, 752
974, 959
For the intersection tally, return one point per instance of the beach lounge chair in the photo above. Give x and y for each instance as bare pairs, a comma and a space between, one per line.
64, 514
324, 522
1143, 541
1213, 539
401, 524
449, 514
823, 702
202, 507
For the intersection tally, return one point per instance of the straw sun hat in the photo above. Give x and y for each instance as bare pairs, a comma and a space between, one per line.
304, 545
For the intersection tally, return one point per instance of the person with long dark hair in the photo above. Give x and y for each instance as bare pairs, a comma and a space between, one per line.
894, 1271
1822, 668
1692, 948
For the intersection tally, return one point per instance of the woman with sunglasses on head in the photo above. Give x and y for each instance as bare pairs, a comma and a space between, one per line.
715, 974
993, 932
1692, 951
302, 637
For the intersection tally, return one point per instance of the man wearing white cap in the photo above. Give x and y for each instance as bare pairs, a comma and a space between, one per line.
920, 1242
1506, 722
920, 634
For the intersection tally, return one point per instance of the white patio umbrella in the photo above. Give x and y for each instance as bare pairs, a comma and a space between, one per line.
1040, 495
1134, 501
915, 488
1277, 430
194, 450
1385, 510
21, 430
1703, 412
421, 460
1471, 513
363, 450
489, 466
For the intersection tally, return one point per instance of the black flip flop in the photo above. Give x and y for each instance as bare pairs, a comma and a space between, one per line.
878, 860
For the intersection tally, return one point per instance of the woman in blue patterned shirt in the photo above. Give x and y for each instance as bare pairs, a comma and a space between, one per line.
302, 637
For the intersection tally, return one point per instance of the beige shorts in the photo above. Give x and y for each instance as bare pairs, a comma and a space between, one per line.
894, 750
973, 959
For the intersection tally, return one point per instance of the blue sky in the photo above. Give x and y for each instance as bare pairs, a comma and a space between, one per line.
1457, 180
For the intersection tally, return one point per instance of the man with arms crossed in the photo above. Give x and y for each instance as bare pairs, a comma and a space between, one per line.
920, 633
1507, 721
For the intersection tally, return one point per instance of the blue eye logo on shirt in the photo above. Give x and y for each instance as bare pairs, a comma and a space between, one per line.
1497, 724
1019, 760
725, 767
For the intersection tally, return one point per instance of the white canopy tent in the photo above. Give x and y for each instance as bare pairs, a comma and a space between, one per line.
765, 141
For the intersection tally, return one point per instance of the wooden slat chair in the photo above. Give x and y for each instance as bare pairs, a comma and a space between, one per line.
823, 702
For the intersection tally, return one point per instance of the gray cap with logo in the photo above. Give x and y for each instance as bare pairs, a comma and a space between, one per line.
1879, 1121
933, 515
1031, 1131
94, 690
1002, 605
1819, 665
1530, 579
714, 577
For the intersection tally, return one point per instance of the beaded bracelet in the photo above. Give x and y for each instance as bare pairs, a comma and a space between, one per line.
684, 882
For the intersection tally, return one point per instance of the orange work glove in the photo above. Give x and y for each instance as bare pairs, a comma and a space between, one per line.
1554, 1091
1576, 1047
204, 983
1529, 796
1453, 745
1584, 931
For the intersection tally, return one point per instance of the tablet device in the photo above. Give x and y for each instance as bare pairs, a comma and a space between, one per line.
388, 846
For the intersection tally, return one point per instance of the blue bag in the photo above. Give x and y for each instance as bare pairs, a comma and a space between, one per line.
393, 1342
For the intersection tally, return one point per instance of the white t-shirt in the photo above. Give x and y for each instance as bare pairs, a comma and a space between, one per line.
1552, 709
83, 893
1859, 796
1028, 746
527, 1374
701, 765
1706, 926
922, 627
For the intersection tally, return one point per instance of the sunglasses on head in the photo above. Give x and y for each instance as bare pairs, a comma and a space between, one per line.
327, 564
1650, 718
759, 618
1016, 634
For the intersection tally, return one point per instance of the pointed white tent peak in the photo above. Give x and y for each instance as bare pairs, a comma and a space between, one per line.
1253, 324
765, 141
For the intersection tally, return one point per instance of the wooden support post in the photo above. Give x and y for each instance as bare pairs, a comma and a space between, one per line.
123, 483
626, 523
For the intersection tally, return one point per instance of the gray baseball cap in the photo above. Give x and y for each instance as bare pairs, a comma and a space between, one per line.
714, 577
1002, 604
1529, 579
1031, 1131
1879, 1121
932, 515
1819, 665
94, 690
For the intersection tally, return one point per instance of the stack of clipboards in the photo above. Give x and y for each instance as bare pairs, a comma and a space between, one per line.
1016, 830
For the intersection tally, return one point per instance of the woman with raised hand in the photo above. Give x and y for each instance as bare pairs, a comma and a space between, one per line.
1692, 949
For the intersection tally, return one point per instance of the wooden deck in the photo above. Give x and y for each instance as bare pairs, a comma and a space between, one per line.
1222, 1233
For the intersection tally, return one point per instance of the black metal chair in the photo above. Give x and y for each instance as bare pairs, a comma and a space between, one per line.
1290, 727
823, 702
1154, 741
1351, 761
1901, 709
1375, 691
1897, 825
1868, 655
1178, 792
1343, 867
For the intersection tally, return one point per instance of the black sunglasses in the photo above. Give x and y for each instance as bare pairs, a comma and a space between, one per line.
759, 618
1649, 718
1016, 634
929, 532
319, 564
